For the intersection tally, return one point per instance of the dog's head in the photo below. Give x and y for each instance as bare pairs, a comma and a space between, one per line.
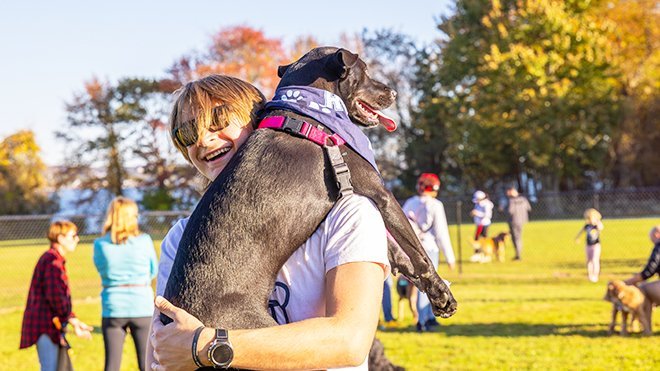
501, 237
615, 292
343, 73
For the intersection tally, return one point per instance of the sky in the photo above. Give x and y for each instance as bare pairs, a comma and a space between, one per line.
48, 49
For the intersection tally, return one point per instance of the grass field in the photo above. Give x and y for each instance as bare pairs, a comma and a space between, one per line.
540, 313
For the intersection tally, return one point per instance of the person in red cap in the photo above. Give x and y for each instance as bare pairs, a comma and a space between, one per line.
427, 214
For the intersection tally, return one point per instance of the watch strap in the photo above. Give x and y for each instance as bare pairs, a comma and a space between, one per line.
195, 356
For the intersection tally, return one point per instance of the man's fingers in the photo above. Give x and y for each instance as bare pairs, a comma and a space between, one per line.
165, 307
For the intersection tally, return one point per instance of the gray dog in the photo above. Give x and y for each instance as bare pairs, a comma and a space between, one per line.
279, 174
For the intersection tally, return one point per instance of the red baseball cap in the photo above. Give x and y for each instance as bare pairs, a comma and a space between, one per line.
428, 182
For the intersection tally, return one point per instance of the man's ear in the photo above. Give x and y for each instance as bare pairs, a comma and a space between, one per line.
281, 70
341, 62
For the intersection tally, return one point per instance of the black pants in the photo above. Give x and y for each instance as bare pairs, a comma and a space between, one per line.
114, 333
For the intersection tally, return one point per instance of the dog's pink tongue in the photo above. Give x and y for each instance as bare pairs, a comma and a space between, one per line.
387, 122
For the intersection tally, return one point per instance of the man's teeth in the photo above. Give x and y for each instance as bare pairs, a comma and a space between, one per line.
218, 152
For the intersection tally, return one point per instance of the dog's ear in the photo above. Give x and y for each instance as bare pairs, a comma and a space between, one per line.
281, 70
341, 62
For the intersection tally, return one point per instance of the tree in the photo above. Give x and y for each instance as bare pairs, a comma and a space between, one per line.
520, 86
23, 183
238, 51
392, 59
634, 35
106, 123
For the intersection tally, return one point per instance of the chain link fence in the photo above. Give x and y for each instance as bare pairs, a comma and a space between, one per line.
548, 238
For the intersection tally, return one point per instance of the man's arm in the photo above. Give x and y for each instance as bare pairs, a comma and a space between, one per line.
343, 338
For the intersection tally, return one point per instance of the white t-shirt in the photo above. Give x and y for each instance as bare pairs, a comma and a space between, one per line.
429, 214
353, 231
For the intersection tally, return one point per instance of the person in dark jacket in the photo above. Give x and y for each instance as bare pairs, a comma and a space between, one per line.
651, 289
50, 298
517, 214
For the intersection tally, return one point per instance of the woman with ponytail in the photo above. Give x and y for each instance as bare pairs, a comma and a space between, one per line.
127, 263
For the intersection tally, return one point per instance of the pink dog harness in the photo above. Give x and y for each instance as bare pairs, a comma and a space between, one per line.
300, 128
306, 130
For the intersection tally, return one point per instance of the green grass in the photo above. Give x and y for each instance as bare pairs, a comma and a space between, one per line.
541, 313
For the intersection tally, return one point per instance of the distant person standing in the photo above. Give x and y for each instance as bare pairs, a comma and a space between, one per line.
592, 230
482, 214
50, 298
127, 263
428, 214
517, 212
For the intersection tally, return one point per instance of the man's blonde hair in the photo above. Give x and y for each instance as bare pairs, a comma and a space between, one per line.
60, 228
238, 101
121, 220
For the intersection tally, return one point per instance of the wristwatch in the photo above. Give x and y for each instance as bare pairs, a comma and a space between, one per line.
220, 352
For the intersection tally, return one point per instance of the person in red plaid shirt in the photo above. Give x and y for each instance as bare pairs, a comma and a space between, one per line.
50, 297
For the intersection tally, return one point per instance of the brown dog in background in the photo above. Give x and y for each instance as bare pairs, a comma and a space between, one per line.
487, 248
628, 299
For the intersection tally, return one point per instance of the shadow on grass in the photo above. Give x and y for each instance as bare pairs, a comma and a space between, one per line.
590, 330
605, 264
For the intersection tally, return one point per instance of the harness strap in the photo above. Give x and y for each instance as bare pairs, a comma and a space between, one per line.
305, 130
340, 170
300, 128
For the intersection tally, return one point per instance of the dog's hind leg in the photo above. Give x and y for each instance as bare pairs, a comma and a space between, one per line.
645, 313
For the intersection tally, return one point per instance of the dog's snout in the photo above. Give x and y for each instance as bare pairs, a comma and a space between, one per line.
393, 94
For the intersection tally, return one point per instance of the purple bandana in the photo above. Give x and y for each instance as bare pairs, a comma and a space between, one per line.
328, 109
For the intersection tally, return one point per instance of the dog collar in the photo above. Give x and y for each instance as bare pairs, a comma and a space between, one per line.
308, 131
300, 128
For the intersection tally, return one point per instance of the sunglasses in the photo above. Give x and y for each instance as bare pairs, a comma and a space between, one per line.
186, 133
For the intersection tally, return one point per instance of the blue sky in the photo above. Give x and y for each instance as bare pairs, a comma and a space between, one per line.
49, 48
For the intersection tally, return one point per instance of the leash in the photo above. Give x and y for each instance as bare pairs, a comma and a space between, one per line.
329, 142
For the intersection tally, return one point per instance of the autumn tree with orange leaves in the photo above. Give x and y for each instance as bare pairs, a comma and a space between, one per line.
242, 52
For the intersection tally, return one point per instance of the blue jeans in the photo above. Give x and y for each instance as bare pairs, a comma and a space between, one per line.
47, 352
424, 310
387, 299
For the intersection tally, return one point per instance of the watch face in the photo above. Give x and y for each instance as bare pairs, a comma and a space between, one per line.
222, 355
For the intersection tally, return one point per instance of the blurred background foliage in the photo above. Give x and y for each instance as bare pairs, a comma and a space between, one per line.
565, 92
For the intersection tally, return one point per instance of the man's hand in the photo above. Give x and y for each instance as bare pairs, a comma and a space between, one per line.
81, 329
172, 343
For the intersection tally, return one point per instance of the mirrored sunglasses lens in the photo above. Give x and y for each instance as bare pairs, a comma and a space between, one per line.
186, 134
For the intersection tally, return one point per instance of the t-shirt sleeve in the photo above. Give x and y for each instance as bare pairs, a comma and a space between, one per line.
167, 253
355, 233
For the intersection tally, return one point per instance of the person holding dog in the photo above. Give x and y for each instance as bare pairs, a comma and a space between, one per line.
592, 228
126, 261
49, 299
427, 215
517, 212
652, 267
328, 294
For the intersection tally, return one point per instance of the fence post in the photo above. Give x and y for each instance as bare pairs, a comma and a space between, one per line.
459, 203
596, 201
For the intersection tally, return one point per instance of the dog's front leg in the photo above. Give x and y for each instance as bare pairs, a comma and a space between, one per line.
417, 266
615, 312
624, 323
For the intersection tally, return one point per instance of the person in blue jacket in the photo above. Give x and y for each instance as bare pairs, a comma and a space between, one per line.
126, 261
